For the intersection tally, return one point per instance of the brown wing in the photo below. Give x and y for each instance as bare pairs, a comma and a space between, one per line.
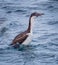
20, 38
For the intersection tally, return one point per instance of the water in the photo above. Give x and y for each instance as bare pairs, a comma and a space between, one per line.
14, 16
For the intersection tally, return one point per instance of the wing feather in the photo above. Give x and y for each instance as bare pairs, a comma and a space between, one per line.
20, 38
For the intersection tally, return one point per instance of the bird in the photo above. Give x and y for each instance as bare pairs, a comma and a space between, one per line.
24, 38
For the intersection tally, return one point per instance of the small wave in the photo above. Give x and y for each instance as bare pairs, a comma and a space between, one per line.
9, 12
3, 30
50, 6
20, 10
3, 46
2, 20
4, 7
55, 41
53, 44
54, 0
52, 22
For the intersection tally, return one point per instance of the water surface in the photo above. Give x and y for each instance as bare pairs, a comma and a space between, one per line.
14, 16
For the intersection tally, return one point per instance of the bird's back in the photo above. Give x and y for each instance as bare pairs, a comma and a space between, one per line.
20, 38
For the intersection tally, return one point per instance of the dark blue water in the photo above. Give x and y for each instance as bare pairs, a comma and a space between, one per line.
14, 16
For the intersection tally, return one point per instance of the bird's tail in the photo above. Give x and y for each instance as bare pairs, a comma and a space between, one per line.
15, 45
11, 44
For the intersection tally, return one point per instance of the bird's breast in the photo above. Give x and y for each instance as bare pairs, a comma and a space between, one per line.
28, 40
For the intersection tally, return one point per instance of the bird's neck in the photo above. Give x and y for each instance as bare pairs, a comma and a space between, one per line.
31, 24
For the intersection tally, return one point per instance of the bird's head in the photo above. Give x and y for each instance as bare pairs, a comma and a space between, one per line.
35, 14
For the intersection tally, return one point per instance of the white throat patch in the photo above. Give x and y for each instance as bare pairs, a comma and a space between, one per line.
32, 23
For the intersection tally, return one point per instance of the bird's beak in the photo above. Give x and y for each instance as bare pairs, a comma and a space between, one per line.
39, 14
